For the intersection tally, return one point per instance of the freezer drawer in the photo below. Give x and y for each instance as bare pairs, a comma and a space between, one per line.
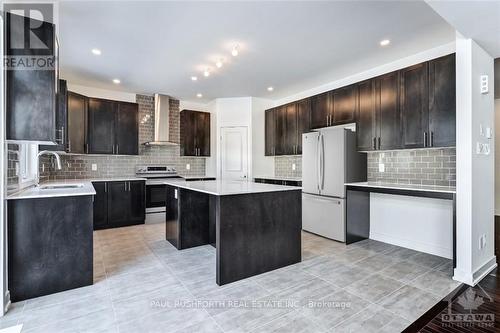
324, 216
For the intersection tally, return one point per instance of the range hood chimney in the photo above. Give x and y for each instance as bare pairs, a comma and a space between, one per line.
162, 122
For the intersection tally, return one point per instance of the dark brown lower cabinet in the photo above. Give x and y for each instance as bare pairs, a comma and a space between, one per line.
50, 245
119, 204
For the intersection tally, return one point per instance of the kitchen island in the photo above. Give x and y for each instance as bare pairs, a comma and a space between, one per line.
255, 227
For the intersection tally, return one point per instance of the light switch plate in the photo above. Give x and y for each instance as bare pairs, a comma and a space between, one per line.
188, 166
381, 167
484, 84
293, 166
94, 167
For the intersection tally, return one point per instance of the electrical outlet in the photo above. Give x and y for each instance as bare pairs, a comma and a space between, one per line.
188, 166
94, 167
482, 241
293, 166
484, 84
17, 168
381, 167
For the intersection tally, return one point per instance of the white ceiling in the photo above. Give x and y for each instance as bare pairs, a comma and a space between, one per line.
479, 20
293, 46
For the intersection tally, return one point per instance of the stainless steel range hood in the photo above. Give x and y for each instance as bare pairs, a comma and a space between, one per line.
162, 122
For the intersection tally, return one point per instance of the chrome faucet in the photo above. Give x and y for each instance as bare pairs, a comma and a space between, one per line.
46, 152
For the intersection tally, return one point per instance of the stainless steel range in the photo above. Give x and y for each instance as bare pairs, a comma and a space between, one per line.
155, 189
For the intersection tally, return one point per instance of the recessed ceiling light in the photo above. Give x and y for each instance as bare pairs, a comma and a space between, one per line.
235, 51
194, 78
199, 95
116, 81
385, 42
270, 88
219, 63
96, 51
206, 72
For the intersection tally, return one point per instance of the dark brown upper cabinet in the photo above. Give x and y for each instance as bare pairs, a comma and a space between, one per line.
280, 135
291, 129
303, 122
321, 110
113, 127
77, 123
414, 94
101, 127
442, 102
344, 105
61, 119
366, 128
388, 122
270, 130
194, 133
127, 131
30, 93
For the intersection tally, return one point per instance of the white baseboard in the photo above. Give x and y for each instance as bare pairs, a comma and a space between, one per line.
473, 278
414, 245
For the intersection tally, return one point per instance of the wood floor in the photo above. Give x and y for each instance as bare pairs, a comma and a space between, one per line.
466, 309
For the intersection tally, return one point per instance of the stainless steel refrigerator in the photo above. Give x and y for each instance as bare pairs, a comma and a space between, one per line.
329, 160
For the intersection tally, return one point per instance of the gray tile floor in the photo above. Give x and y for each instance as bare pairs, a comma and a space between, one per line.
143, 284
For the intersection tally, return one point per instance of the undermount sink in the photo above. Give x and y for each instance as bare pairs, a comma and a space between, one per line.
60, 186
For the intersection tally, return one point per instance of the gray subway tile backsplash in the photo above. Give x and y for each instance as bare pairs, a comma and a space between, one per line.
434, 166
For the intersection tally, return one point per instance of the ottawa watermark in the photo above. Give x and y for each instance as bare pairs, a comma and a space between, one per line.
31, 43
473, 301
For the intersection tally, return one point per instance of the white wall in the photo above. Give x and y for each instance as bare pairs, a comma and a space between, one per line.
475, 172
262, 165
421, 224
497, 156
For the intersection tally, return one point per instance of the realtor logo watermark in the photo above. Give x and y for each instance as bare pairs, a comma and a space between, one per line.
30, 36
471, 301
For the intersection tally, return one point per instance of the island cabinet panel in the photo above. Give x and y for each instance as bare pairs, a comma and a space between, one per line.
388, 125
256, 233
127, 131
188, 218
321, 110
270, 130
30, 94
442, 102
77, 123
119, 203
101, 127
50, 245
344, 105
414, 106
195, 133
366, 130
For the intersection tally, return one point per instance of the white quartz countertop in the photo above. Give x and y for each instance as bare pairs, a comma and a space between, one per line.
408, 187
296, 179
228, 187
37, 191
197, 177
111, 179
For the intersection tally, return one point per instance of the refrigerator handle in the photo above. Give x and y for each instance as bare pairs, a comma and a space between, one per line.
322, 162
318, 163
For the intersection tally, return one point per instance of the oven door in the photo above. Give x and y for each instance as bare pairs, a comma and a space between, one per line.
156, 196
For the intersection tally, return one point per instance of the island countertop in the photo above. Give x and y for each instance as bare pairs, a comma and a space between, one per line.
228, 187
35, 192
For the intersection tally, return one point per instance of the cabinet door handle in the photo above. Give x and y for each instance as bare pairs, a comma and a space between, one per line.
374, 143
379, 142
105, 187
117, 149
87, 148
129, 186
431, 143
125, 186
69, 146
425, 139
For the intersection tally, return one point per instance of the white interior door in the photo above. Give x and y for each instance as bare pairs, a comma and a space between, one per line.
234, 153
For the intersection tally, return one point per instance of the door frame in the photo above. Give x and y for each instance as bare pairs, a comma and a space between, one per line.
219, 152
